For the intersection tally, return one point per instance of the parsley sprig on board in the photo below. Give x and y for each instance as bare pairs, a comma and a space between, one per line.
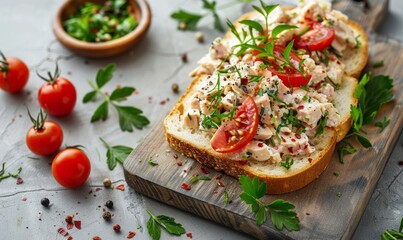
129, 116
281, 212
371, 93
155, 223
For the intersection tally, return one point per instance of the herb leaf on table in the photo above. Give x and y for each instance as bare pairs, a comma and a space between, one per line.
189, 20
281, 212
116, 154
129, 117
155, 223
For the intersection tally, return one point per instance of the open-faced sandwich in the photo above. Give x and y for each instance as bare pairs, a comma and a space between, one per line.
272, 98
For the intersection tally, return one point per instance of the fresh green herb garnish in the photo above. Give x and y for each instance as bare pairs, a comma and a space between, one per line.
345, 148
116, 154
129, 116
226, 198
189, 20
195, 179
339, 194
357, 41
100, 23
155, 223
280, 211
152, 162
13, 175
378, 64
322, 124
378, 89
383, 124
304, 30
288, 163
393, 234
336, 174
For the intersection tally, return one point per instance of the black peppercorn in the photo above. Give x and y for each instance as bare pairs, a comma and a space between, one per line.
175, 87
109, 204
45, 202
107, 216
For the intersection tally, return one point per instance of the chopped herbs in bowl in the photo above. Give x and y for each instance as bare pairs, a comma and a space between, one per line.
101, 22
101, 28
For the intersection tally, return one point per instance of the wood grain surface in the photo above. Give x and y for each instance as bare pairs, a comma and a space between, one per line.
369, 13
328, 208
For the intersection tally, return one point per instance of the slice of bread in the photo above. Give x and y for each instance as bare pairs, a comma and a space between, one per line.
196, 143
354, 59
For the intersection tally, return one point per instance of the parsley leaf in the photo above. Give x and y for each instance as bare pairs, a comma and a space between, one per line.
383, 124
322, 124
116, 154
226, 198
129, 116
345, 148
155, 223
104, 75
288, 163
280, 211
283, 216
211, 6
378, 64
152, 162
378, 90
195, 179
2, 171
281, 28
189, 19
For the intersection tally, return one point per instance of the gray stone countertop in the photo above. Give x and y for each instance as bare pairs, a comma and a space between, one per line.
152, 67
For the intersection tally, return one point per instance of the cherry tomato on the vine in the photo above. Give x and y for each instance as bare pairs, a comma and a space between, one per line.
14, 74
45, 137
58, 95
71, 167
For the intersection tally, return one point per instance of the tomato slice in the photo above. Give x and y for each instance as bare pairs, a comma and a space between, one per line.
290, 76
319, 37
235, 134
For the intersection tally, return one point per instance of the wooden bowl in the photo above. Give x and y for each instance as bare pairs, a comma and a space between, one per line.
141, 13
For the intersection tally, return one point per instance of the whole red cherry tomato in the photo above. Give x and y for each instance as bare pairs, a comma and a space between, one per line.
58, 95
45, 137
71, 167
14, 74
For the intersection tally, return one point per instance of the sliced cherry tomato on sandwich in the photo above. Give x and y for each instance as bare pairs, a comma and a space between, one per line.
235, 134
290, 76
319, 37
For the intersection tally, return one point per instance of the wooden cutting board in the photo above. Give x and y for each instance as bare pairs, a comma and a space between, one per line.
328, 208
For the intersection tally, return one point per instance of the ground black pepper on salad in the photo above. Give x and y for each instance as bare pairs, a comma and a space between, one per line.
101, 22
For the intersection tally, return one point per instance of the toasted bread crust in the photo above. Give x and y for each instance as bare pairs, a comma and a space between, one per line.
275, 184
